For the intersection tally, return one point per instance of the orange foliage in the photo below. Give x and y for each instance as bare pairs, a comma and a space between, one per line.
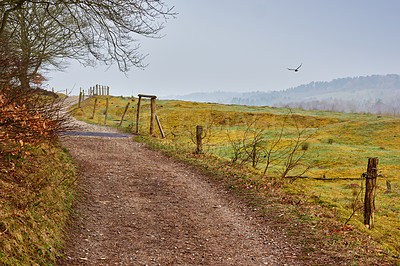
20, 125
38, 79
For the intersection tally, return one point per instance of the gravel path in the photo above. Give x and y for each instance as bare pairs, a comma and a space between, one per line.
142, 208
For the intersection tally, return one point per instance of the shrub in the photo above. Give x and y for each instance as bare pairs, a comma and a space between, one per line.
305, 146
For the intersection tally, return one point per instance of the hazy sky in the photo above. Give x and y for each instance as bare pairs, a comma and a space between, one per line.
242, 46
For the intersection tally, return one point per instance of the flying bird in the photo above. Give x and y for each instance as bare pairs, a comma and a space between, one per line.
295, 69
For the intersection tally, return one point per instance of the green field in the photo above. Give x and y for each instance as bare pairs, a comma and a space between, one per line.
328, 145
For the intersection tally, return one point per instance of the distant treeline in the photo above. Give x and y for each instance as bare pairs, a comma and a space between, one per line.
378, 106
378, 94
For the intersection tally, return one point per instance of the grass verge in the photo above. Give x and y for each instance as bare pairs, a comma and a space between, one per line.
36, 193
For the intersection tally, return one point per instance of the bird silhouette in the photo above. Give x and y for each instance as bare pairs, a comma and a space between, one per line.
295, 69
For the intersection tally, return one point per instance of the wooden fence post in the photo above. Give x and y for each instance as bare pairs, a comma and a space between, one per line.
199, 139
153, 112
153, 115
160, 127
138, 114
123, 115
106, 114
94, 108
80, 99
370, 191
108, 90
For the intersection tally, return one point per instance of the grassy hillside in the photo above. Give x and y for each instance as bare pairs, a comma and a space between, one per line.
328, 145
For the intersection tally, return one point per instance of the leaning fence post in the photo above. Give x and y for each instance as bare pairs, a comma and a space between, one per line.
106, 113
199, 139
160, 127
370, 191
123, 115
94, 107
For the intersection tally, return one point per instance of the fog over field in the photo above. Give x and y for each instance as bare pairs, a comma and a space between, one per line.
379, 94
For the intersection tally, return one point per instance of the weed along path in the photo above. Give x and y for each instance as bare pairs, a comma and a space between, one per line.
140, 207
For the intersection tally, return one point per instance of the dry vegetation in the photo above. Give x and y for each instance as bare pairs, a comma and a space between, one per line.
36, 174
36, 181
332, 146
36, 184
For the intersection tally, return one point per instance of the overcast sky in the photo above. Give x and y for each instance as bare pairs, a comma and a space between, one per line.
242, 46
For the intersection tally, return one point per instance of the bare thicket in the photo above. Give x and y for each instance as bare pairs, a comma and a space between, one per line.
26, 114
296, 150
249, 147
23, 117
273, 151
285, 150
253, 143
237, 147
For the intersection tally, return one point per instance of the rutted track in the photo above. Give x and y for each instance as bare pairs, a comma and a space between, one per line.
142, 208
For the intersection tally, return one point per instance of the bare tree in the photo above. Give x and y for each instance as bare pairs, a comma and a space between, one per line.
39, 42
237, 147
106, 30
273, 151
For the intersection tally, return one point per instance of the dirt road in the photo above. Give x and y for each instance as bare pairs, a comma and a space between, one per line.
142, 208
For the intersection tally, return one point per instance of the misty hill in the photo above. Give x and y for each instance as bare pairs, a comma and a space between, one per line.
374, 94
223, 97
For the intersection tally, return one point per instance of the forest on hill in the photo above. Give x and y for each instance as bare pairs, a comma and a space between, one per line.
378, 94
